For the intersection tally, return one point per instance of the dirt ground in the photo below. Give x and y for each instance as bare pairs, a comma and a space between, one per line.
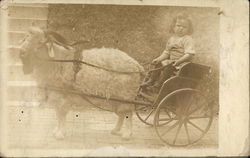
31, 128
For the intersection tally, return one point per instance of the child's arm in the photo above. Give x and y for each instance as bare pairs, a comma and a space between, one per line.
184, 58
163, 56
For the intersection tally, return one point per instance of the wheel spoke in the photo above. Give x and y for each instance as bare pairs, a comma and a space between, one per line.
142, 108
190, 113
199, 106
190, 101
166, 111
178, 102
171, 114
167, 119
185, 105
177, 133
157, 119
186, 129
174, 125
171, 110
196, 126
149, 114
198, 117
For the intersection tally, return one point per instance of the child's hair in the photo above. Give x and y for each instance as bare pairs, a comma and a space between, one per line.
182, 16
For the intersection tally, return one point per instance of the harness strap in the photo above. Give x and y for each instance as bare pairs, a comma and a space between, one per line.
77, 65
83, 62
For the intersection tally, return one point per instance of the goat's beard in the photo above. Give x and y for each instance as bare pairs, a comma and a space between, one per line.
53, 73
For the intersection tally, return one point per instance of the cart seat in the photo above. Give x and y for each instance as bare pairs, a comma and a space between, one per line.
193, 71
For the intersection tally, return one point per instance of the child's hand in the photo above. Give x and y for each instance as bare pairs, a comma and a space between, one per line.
175, 63
156, 61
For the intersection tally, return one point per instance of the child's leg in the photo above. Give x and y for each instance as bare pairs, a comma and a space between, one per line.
166, 73
153, 76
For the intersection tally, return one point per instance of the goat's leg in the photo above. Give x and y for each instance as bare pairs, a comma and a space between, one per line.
128, 126
59, 132
118, 126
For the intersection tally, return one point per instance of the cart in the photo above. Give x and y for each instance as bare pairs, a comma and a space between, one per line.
180, 112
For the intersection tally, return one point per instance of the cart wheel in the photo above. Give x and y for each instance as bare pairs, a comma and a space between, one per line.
185, 115
145, 113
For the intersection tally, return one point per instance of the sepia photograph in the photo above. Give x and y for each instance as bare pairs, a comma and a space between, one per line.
137, 78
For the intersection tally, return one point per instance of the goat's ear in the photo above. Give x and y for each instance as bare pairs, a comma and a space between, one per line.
56, 37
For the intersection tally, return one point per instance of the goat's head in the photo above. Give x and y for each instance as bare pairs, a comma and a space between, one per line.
37, 44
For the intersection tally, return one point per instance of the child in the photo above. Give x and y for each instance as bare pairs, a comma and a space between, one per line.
179, 50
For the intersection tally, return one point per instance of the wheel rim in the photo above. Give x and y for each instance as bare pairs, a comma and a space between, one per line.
188, 118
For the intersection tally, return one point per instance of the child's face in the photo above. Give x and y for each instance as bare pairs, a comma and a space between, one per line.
181, 27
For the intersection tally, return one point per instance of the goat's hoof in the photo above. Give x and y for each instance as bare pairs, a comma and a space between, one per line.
116, 132
59, 135
126, 136
55, 130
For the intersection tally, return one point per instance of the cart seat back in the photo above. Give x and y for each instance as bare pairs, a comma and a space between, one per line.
194, 71
174, 83
188, 76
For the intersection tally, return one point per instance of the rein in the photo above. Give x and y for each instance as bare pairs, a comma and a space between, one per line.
155, 69
92, 65
83, 62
